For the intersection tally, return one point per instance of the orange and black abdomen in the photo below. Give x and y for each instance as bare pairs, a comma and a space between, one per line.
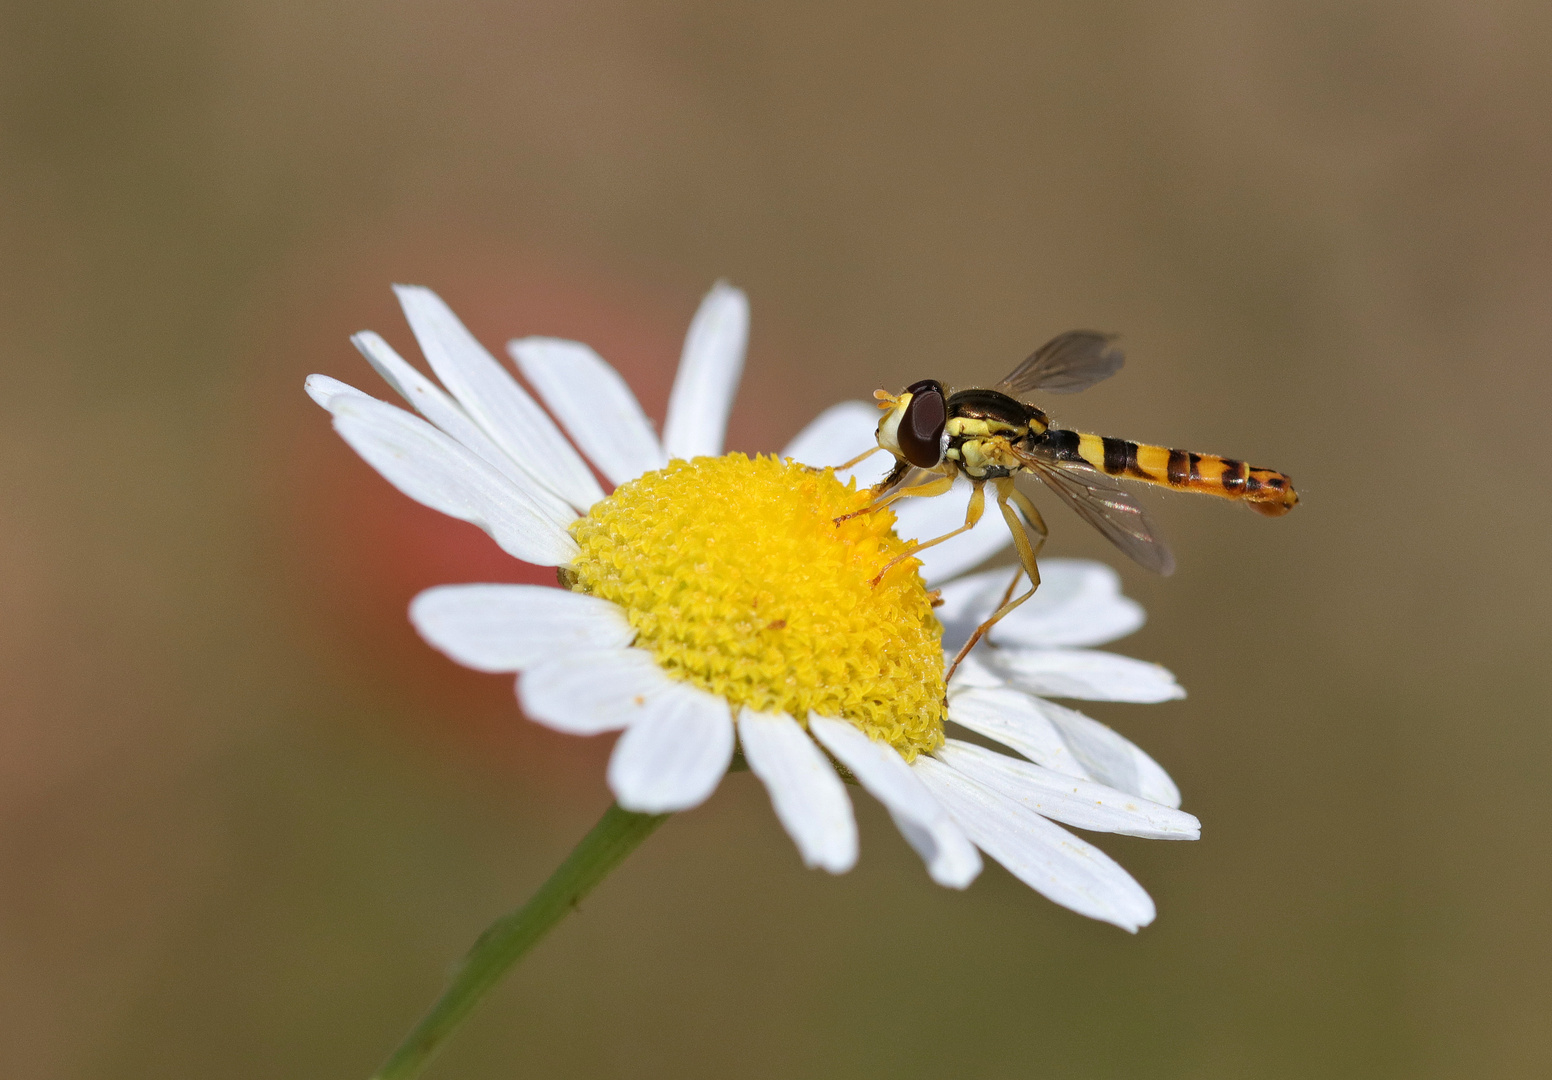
1266, 490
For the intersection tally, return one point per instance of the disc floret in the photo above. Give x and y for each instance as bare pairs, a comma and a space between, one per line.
738, 578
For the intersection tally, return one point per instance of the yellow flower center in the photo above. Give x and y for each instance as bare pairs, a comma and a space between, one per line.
736, 576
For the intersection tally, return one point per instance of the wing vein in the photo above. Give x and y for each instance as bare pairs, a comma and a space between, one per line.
1100, 501
1066, 364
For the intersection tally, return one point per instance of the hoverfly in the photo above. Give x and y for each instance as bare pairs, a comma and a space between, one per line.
993, 436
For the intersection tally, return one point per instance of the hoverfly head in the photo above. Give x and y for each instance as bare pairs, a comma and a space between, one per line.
912, 429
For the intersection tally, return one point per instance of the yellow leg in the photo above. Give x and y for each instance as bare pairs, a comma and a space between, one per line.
1007, 493
936, 486
973, 513
930, 488
1027, 552
1007, 594
1037, 523
860, 458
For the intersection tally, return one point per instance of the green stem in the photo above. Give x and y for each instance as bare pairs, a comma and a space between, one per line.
503, 944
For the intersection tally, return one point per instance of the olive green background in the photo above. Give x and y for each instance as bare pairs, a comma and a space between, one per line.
247, 822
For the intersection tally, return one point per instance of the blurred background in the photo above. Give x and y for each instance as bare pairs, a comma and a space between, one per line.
248, 821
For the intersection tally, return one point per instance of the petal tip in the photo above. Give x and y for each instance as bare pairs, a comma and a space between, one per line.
317, 389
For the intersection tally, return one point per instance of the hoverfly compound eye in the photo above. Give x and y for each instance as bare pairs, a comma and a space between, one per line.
920, 434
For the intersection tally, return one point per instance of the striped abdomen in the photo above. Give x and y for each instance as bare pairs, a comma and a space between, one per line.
1268, 492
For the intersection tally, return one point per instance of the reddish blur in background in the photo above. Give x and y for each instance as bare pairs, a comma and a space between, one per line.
247, 820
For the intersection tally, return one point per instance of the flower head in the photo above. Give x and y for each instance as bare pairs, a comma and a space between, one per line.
713, 599
737, 578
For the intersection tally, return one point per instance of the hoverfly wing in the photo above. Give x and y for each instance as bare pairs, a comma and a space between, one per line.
1101, 502
1066, 364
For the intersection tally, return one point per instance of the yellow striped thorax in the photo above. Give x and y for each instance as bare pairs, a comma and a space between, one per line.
984, 427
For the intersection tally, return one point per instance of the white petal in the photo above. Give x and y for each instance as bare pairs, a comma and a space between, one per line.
674, 757
808, 797
1042, 855
1111, 758
1079, 803
926, 518
709, 370
435, 471
1084, 674
971, 673
323, 389
512, 627
1061, 739
967, 601
593, 403
492, 397
951, 859
1019, 722
429, 400
839, 434
586, 692
1078, 603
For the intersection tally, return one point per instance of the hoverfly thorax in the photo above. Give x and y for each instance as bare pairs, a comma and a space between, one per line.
912, 430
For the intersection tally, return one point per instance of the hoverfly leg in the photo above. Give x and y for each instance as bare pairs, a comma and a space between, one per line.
930, 488
1031, 516
859, 459
895, 476
1040, 526
973, 512
1027, 552
1007, 594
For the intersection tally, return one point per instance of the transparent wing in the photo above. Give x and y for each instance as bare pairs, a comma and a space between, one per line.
1066, 364
1100, 501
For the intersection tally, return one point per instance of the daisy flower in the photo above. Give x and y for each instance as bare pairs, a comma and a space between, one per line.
710, 606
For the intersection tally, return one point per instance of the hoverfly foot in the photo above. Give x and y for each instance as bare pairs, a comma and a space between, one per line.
854, 513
